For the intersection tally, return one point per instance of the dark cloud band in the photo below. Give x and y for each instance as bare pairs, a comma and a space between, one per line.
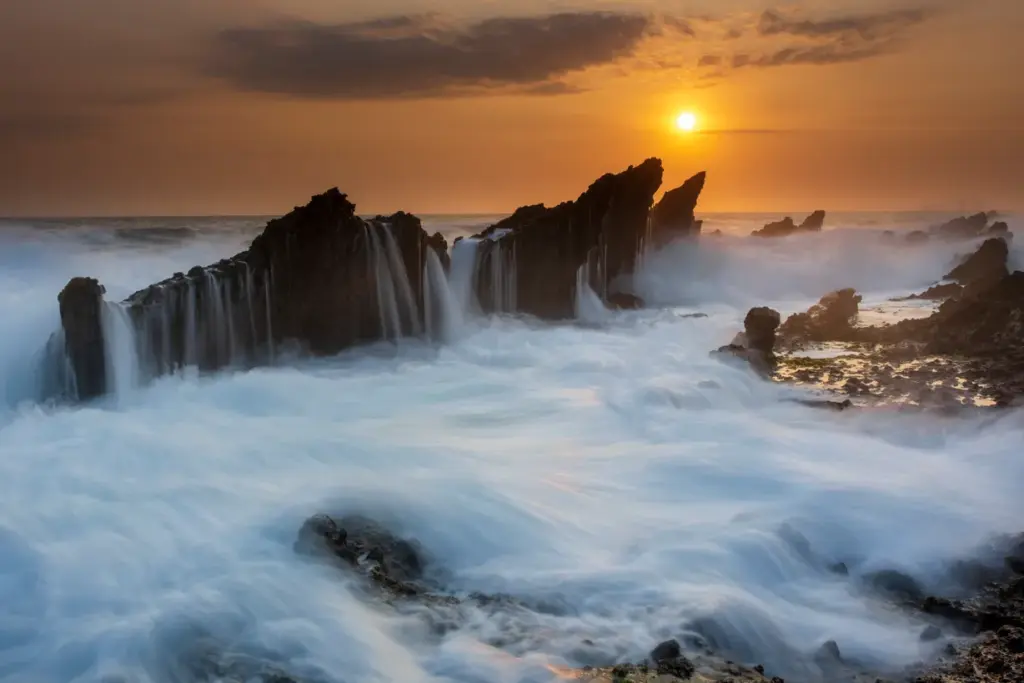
419, 57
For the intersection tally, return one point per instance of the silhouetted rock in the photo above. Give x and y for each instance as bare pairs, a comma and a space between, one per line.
531, 261
81, 305
999, 229
673, 216
787, 226
320, 277
670, 649
756, 343
831, 319
939, 292
964, 227
987, 264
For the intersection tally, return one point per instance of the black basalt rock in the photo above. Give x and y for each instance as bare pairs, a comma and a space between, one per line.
537, 253
787, 226
673, 217
81, 306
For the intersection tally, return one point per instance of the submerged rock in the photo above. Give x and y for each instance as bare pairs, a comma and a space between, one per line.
787, 226
320, 277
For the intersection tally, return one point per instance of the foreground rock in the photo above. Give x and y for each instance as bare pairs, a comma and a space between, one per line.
321, 278
536, 260
787, 226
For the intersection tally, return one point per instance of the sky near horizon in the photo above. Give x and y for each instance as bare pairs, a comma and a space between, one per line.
122, 107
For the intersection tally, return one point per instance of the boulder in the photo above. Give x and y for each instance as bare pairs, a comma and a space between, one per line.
787, 226
987, 264
831, 319
755, 345
320, 277
533, 261
673, 216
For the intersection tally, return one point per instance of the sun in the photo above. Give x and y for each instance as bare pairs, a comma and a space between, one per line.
687, 122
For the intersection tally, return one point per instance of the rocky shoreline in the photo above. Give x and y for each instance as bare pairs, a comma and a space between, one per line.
968, 351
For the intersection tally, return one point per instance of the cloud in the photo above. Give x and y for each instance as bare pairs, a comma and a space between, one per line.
868, 27
405, 57
826, 41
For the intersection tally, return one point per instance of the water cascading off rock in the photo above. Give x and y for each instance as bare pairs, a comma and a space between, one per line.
320, 277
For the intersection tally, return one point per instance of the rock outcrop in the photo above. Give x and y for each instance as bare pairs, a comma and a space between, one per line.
673, 217
787, 226
320, 277
831, 319
756, 344
986, 265
536, 260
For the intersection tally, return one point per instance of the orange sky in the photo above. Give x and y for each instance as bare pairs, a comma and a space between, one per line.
250, 106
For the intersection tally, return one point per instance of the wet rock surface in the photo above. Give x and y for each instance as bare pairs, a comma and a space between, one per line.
984, 266
532, 261
831, 319
787, 226
318, 277
756, 343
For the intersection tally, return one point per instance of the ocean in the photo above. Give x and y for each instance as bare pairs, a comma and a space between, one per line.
608, 468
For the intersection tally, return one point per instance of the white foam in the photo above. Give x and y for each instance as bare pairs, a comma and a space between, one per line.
618, 472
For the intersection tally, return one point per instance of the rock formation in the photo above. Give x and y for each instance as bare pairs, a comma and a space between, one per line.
320, 277
756, 344
831, 319
787, 226
536, 260
986, 265
673, 216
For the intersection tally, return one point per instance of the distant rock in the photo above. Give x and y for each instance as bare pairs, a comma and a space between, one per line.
986, 265
964, 227
787, 226
673, 216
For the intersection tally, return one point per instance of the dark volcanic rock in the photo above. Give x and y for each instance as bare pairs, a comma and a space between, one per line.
530, 261
831, 319
987, 264
673, 216
964, 227
756, 343
320, 277
939, 292
393, 564
787, 226
81, 304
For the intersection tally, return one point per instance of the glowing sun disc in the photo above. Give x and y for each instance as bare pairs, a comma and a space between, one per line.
686, 122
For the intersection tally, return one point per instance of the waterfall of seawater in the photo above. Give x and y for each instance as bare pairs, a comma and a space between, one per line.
462, 278
121, 350
442, 310
589, 307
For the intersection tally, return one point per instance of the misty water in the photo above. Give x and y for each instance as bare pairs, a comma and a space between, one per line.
610, 470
